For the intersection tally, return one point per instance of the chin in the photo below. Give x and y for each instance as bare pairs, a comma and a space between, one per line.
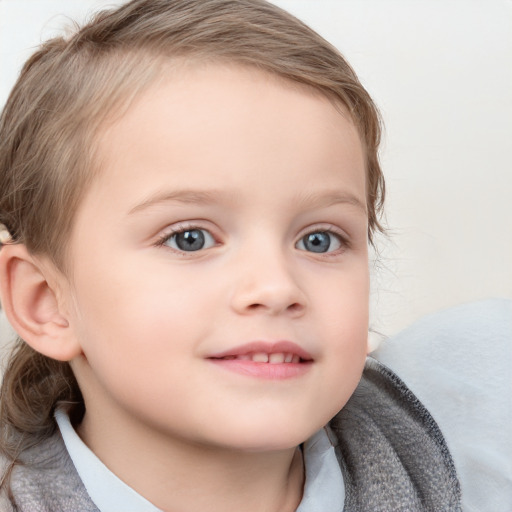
272, 438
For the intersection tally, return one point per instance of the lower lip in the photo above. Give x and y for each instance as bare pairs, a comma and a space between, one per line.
276, 371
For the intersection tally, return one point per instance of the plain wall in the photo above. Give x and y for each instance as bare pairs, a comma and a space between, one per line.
441, 74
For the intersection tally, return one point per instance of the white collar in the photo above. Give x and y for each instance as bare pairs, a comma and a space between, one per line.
324, 490
106, 490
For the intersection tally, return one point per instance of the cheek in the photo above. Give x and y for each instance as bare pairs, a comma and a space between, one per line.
345, 300
343, 321
140, 319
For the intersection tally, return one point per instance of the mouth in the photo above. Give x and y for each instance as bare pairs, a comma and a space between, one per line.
264, 357
275, 361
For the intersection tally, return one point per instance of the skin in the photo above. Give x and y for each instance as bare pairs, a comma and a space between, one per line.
257, 163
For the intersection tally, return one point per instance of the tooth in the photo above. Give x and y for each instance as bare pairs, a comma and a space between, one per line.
288, 358
260, 357
276, 358
295, 359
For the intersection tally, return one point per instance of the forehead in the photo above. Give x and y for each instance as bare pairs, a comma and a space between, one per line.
234, 124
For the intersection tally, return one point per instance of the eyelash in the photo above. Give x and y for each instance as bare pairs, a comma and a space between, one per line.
333, 231
329, 229
178, 229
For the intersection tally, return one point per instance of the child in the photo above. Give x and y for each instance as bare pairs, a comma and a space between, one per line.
189, 188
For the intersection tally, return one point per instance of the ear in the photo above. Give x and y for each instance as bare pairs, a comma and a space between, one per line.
28, 292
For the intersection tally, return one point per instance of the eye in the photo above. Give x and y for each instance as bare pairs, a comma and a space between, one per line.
320, 242
189, 240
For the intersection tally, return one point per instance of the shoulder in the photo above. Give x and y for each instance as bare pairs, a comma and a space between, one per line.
391, 452
46, 480
458, 363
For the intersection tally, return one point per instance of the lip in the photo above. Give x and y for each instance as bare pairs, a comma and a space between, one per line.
269, 371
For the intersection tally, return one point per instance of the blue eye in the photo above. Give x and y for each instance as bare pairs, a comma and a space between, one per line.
319, 242
190, 240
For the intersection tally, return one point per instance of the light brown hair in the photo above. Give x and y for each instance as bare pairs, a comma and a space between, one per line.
70, 86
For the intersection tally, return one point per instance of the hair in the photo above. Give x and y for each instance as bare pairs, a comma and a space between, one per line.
68, 89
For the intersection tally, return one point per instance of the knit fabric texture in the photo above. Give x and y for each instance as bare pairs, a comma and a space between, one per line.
392, 453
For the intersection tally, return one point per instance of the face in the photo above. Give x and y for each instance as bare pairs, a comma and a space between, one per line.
220, 273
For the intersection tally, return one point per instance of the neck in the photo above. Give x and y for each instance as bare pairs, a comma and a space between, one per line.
176, 475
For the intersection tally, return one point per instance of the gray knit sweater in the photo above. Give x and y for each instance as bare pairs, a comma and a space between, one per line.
391, 452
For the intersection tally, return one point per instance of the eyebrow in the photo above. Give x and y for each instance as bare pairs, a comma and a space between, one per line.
184, 196
309, 200
328, 198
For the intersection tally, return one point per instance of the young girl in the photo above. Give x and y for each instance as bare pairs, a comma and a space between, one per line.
189, 188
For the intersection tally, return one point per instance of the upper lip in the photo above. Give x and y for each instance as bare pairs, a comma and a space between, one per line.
286, 347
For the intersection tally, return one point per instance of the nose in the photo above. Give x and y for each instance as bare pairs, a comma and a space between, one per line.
268, 285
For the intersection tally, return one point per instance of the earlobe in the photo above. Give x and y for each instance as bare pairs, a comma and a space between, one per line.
32, 305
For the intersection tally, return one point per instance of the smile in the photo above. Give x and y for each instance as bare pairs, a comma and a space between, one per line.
281, 360
263, 357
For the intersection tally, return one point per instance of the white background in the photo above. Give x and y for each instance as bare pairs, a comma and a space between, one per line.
441, 73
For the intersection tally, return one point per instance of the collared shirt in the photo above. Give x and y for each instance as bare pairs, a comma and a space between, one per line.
323, 488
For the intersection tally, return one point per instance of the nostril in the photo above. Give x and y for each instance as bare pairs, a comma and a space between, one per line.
292, 308
295, 307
